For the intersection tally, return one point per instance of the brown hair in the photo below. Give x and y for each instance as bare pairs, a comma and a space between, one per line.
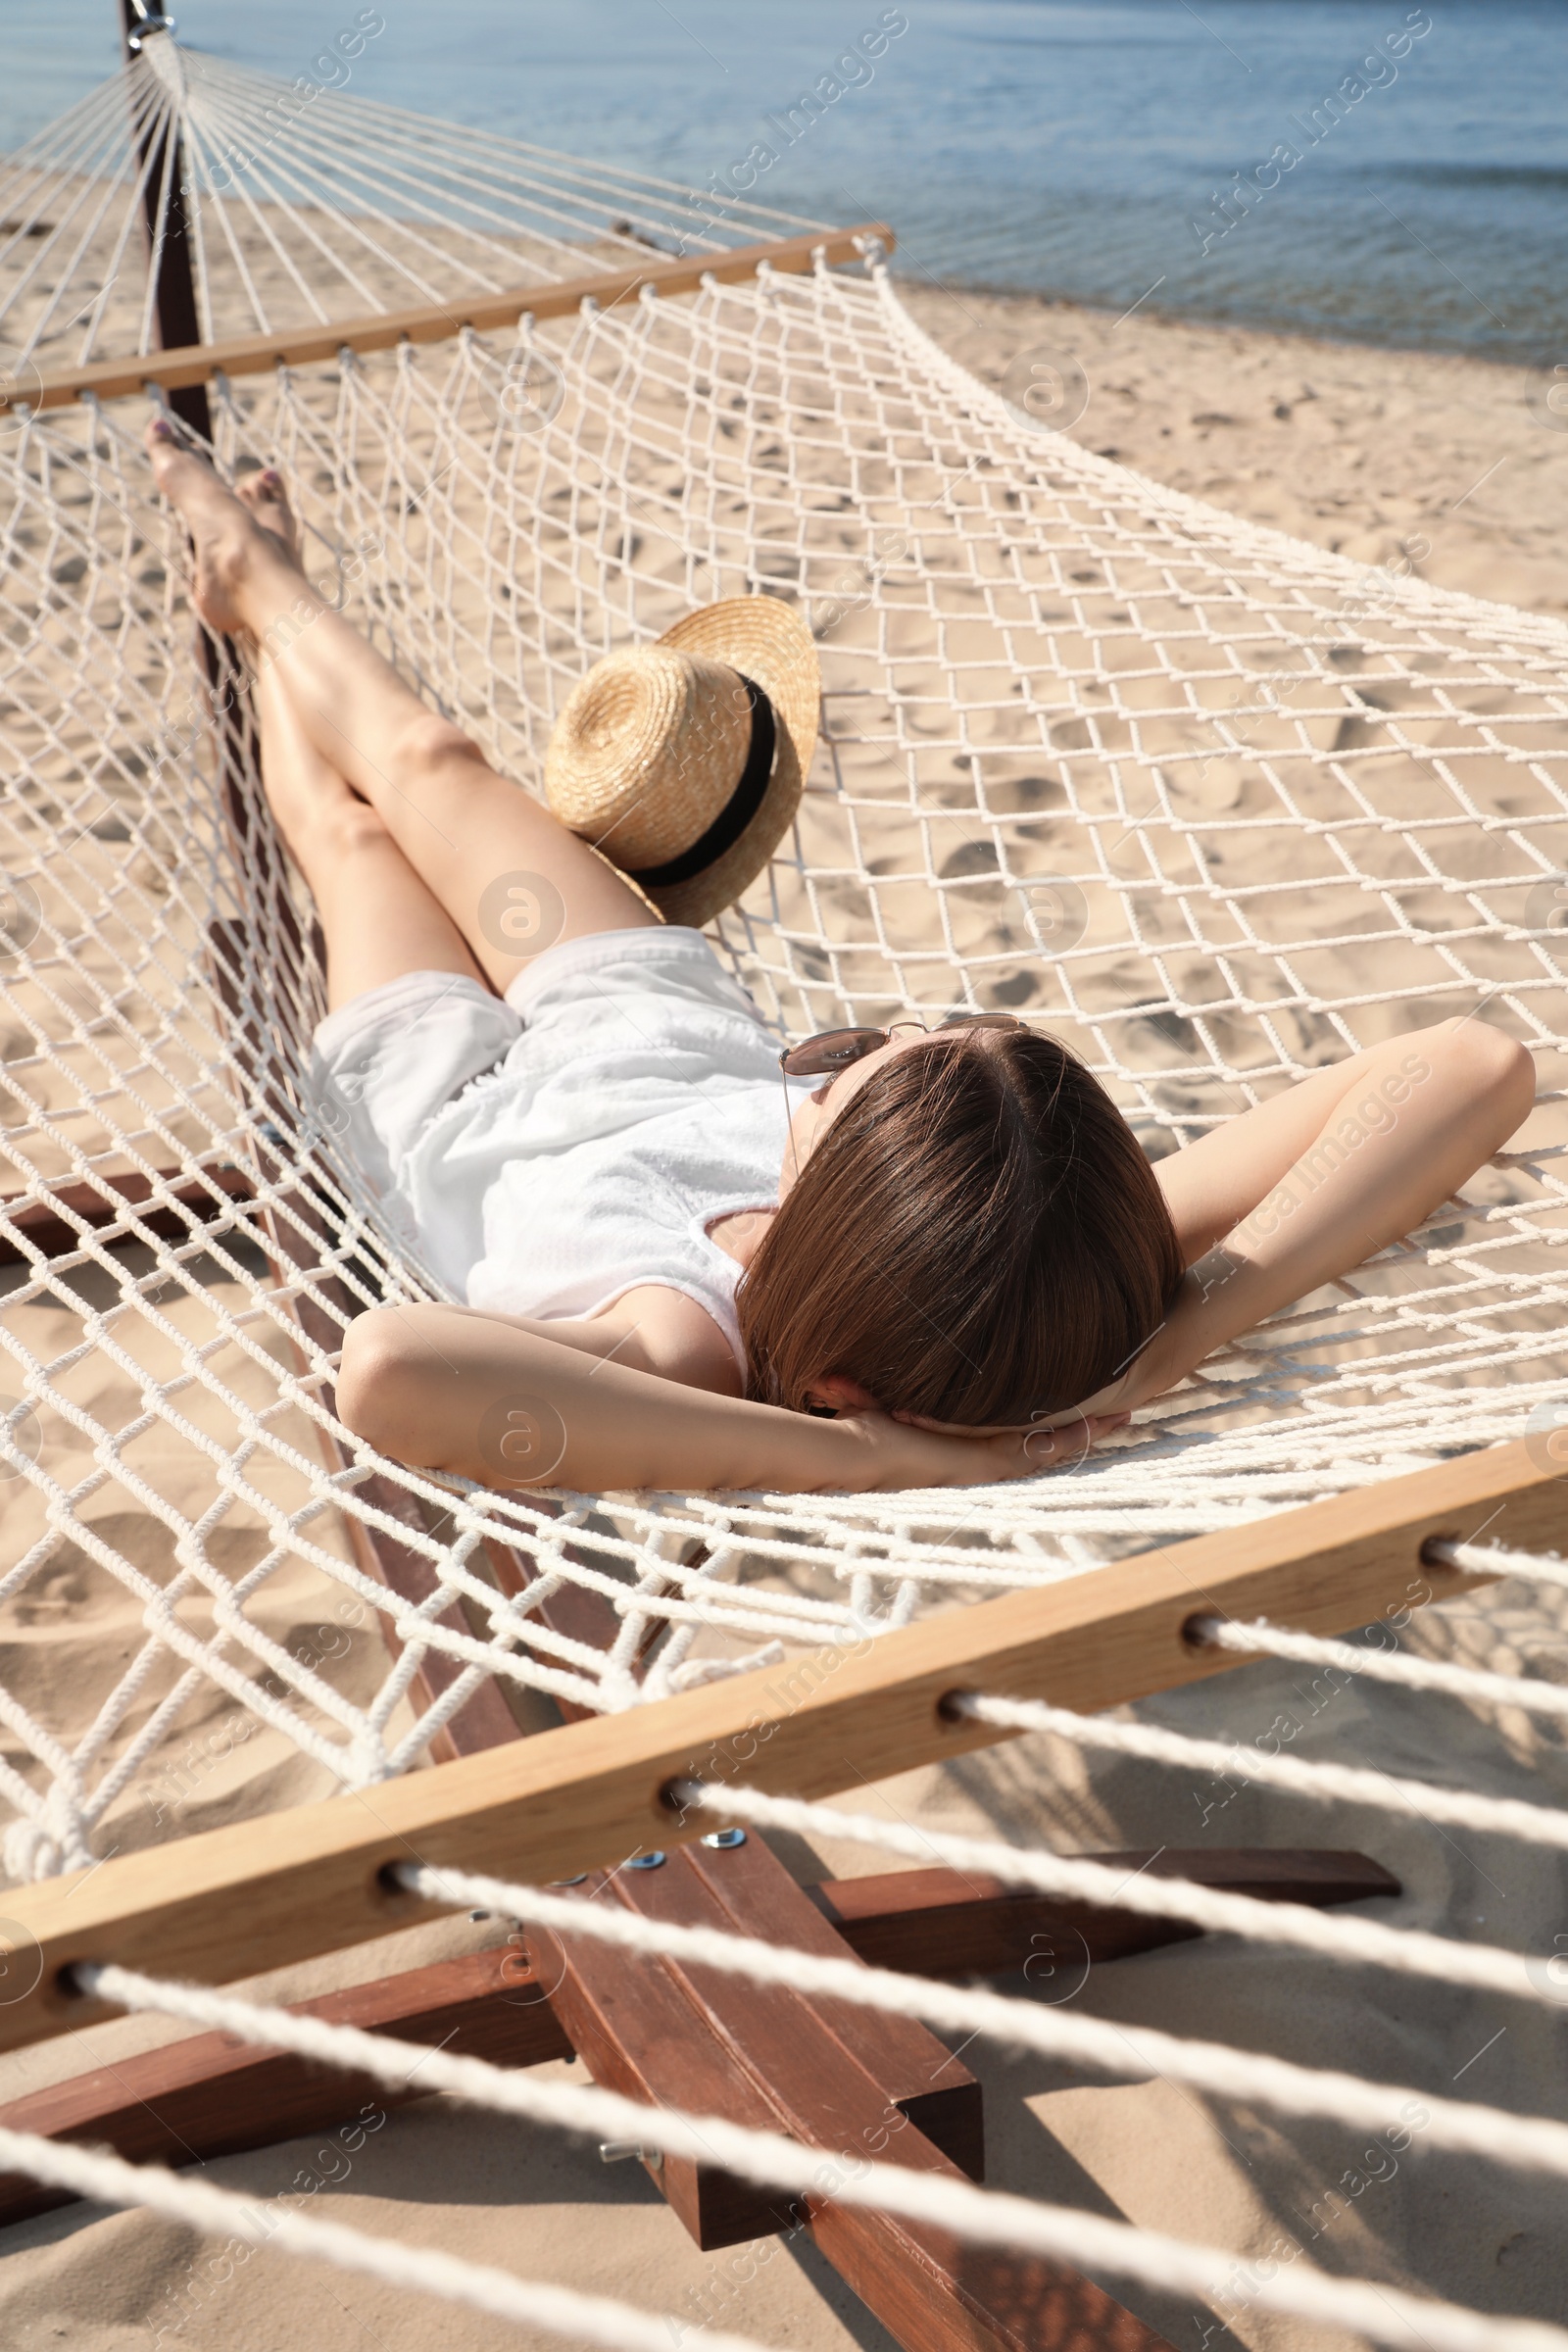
976, 1237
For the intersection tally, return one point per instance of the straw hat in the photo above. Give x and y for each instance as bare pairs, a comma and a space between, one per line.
682, 762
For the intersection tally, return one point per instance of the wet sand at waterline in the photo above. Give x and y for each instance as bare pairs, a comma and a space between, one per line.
1369, 452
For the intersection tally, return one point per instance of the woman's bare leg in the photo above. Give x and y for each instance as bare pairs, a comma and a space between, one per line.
379, 919
458, 825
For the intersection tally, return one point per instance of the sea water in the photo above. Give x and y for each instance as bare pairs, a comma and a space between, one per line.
1357, 169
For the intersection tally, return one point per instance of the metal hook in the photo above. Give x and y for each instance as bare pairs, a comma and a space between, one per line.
152, 20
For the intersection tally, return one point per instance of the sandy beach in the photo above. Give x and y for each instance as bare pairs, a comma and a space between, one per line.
1372, 454
1376, 455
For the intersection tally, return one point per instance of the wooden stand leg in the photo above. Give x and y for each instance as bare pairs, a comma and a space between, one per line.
856, 2084
211, 2095
935, 1922
207, 1200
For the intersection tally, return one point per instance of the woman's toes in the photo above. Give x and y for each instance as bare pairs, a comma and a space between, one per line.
164, 449
185, 476
265, 494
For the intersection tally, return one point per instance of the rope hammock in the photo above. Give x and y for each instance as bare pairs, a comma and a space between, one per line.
1213, 805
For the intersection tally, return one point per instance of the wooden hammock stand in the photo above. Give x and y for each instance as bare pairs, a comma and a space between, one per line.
589, 1795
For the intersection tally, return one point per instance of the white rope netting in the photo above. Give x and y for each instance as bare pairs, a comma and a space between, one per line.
1215, 806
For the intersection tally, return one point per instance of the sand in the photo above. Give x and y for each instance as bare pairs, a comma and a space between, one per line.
1373, 454
1361, 451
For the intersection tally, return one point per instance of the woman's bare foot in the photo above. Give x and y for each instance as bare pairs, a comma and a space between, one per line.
266, 498
227, 531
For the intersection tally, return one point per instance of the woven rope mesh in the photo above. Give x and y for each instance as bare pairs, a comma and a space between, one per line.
1214, 806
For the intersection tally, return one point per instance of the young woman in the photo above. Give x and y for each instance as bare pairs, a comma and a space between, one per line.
930, 1257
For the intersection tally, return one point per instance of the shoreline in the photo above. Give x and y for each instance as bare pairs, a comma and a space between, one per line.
1438, 460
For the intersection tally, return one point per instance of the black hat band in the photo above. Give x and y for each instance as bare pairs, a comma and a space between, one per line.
738, 811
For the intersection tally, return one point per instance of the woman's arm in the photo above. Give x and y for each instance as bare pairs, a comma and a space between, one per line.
1307, 1185
446, 1388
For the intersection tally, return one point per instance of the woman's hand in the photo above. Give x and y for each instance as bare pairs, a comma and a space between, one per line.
906, 1449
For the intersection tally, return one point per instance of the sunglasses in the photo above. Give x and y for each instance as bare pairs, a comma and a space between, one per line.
834, 1050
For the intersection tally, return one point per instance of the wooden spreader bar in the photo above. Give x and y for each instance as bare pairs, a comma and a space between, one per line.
231, 1903
427, 322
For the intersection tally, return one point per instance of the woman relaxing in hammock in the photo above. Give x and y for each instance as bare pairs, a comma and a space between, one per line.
929, 1257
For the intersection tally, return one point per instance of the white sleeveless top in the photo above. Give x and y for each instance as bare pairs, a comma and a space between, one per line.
546, 1153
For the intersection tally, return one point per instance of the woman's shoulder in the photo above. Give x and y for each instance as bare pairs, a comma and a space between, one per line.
669, 1332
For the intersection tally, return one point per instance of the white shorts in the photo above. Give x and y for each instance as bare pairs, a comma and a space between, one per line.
505, 1130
